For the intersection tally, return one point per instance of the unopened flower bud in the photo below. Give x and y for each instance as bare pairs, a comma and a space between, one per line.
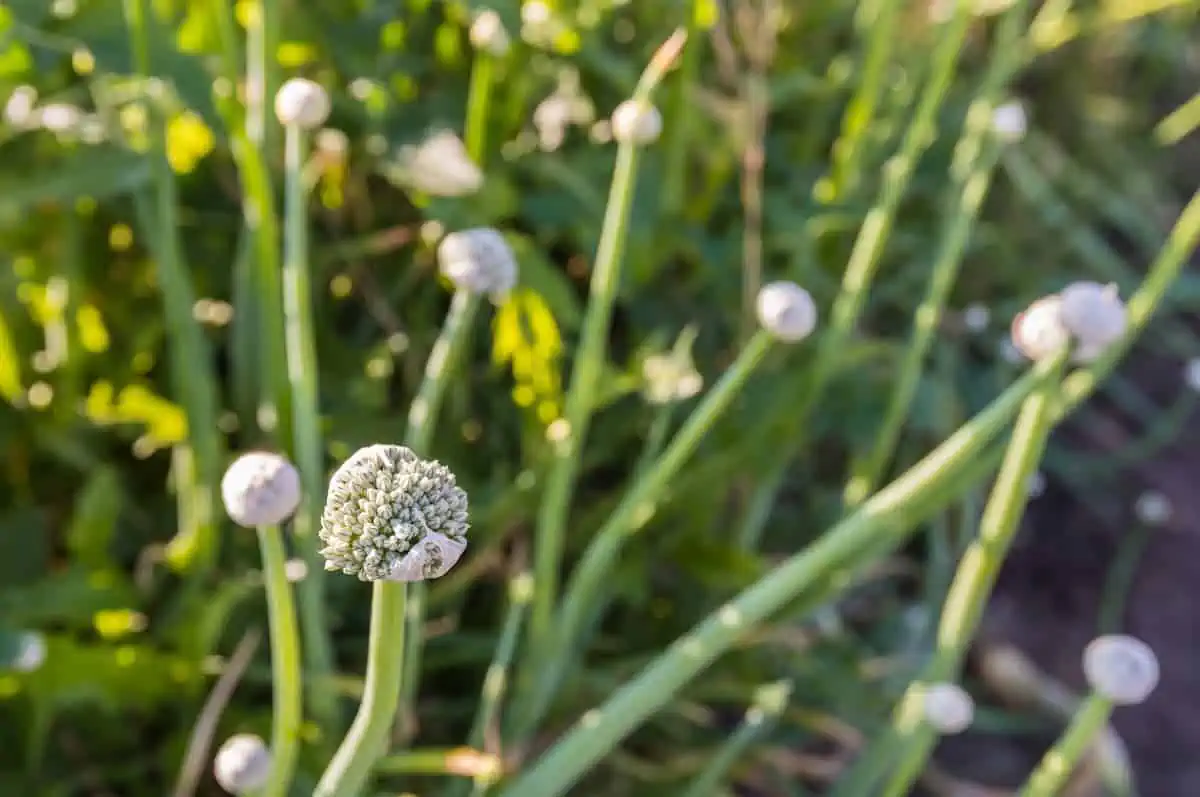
948, 708
260, 489
787, 311
636, 122
1094, 315
303, 103
1152, 508
488, 34
1009, 121
478, 260
243, 764
1121, 668
1039, 331
30, 652
392, 516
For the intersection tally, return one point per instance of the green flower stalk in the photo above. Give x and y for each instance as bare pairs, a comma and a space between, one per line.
786, 313
261, 490
390, 518
769, 702
976, 574
1122, 671
491, 43
631, 126
891, 513
302, 106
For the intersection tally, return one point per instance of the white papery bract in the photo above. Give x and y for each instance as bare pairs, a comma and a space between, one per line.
384, 503
1121, 668
478, 260
303, 103
948, 708
787, 311
243, 764
488, 34
636, 122
260, 489
1094, 315
1039, 331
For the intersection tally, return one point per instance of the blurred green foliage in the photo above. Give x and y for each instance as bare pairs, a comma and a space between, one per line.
88, 425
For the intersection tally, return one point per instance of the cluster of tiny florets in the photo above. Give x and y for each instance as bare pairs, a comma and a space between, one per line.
478, 260
392, 516
1087, 313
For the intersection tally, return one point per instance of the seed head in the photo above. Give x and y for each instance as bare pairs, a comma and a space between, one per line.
1121, 668
243, 764
787, 311
392, 516
302, 103
260, 489
1039, 331
488, 34
636, 122
478, 260
1094, 315
948, 708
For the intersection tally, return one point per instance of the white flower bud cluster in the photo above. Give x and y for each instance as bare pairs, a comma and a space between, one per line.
303, 103
948, 708
1121, 668
1009, 121
1088, 313
636, 122
479, 261
260, 489
392, 516
243, 764
439, 166
787, 311
488, 35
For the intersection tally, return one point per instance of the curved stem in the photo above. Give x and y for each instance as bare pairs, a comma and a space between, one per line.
286, 678
1052, 774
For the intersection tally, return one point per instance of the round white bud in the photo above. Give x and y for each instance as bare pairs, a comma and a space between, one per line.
31, 652
976, 317
948, 708
1009, 121
636, 122
786, 310
1191, 374
1121, 668
1095, 315
478, 260
302, 103
488, 34
1152, 508
1039, 331
243, 764
260, 489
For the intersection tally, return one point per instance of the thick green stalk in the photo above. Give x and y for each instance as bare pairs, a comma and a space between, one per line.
589, 361
196, 545
366, 741
866, 253
977, 572
583, 597
890, 513
307, 444
760, 719
1051, 776
286, 677
422, 421
391, 671
971, 171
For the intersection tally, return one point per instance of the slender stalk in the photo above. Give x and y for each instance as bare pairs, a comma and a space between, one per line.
582, 598
366, 741
890, 513
1052, 774
302, 370
286, 678
866, 253
680, 127
971, 169
390, 656
977, 572
422, 421
479, 95
589, 362
769, 703
196, 546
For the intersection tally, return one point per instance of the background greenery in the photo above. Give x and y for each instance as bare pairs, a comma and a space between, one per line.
773, 151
